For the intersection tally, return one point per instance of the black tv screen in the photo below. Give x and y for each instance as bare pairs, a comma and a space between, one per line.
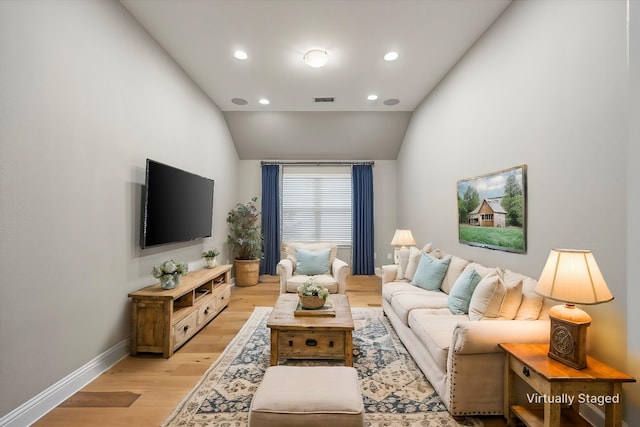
178, 205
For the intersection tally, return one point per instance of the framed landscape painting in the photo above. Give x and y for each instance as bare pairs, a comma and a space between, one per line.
492, 210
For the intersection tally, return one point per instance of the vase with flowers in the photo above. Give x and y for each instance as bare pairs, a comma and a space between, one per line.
169, 273
312, 295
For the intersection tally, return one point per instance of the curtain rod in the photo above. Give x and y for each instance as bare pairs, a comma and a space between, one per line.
264, 162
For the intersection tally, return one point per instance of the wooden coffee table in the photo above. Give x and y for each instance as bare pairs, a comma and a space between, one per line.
311, 337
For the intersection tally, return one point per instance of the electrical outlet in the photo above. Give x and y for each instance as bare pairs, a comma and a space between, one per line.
389, 255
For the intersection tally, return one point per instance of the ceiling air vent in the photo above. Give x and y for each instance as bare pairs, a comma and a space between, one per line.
324, 99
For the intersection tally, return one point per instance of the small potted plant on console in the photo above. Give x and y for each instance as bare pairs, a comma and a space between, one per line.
210, 257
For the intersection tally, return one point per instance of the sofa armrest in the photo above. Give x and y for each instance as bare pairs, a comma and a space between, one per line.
483, 336
339, 270
389, 273
285, 270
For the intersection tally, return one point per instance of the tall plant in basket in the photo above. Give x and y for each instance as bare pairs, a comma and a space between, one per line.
245, 241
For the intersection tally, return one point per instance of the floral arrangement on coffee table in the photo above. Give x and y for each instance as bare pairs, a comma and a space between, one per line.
312, 295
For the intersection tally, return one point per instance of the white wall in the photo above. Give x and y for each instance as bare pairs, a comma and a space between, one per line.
633, 207
85, 97
547, 87
384, 184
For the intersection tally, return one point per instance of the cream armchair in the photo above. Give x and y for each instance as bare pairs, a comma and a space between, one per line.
317, 261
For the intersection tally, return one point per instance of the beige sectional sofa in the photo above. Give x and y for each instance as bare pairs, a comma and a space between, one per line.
459, 353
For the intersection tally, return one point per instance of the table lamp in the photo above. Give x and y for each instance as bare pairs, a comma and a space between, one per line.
402, 239
571, 276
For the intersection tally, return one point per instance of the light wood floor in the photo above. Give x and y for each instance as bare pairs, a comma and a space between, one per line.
142, 391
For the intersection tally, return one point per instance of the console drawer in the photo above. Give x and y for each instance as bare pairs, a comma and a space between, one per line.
184, 329
206, 310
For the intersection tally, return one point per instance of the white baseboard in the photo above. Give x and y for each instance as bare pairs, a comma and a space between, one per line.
35, 408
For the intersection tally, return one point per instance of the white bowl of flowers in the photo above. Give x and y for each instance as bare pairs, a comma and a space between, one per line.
169, 273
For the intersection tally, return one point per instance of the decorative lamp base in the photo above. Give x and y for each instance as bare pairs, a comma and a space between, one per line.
568, 338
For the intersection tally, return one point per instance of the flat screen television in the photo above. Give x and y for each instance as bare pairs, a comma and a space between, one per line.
178, 205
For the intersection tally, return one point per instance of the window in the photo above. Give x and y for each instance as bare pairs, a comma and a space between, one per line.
316, 208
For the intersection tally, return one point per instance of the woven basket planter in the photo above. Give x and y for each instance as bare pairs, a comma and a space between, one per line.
311, 302
247, 272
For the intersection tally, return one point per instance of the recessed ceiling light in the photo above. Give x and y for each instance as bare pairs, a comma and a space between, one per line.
316, 58
239, 101
372, 97
391, 101
391, 56
239, 54
263, 101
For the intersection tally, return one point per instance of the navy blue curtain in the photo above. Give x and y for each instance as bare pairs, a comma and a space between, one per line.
270, 218
362, 223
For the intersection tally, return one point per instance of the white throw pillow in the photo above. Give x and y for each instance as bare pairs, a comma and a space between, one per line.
456, 267
412, 265
487, 297
531, 302
511, 301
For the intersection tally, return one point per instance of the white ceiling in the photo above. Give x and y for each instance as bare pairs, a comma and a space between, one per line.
429, 35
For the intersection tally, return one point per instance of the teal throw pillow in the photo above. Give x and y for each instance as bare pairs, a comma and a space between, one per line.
430, 272
312, 262
462, 290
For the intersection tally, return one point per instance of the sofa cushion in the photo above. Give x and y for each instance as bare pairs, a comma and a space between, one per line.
454, 270
462, 290
403, 303
325, 280
430, 272
531, 302
312, 262
393, 288
487, 298
434, 329
511, 301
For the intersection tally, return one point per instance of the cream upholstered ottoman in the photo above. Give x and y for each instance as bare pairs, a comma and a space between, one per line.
308, 396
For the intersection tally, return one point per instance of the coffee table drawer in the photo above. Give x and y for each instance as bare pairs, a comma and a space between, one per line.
311, 344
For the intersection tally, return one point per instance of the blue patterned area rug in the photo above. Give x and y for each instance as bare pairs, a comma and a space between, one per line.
394, 390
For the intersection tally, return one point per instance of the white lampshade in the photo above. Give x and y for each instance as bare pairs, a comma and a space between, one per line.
573, 276
403, 238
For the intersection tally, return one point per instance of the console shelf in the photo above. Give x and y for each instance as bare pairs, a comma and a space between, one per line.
164, 319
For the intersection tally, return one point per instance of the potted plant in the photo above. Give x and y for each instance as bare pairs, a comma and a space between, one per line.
169, 273
245, 242
210, 257
312, 295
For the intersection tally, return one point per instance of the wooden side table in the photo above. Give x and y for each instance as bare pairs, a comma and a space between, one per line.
557, 387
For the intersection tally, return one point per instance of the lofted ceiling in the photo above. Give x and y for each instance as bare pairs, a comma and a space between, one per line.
430, 37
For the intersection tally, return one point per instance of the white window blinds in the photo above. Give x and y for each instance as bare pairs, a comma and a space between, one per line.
316, 208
